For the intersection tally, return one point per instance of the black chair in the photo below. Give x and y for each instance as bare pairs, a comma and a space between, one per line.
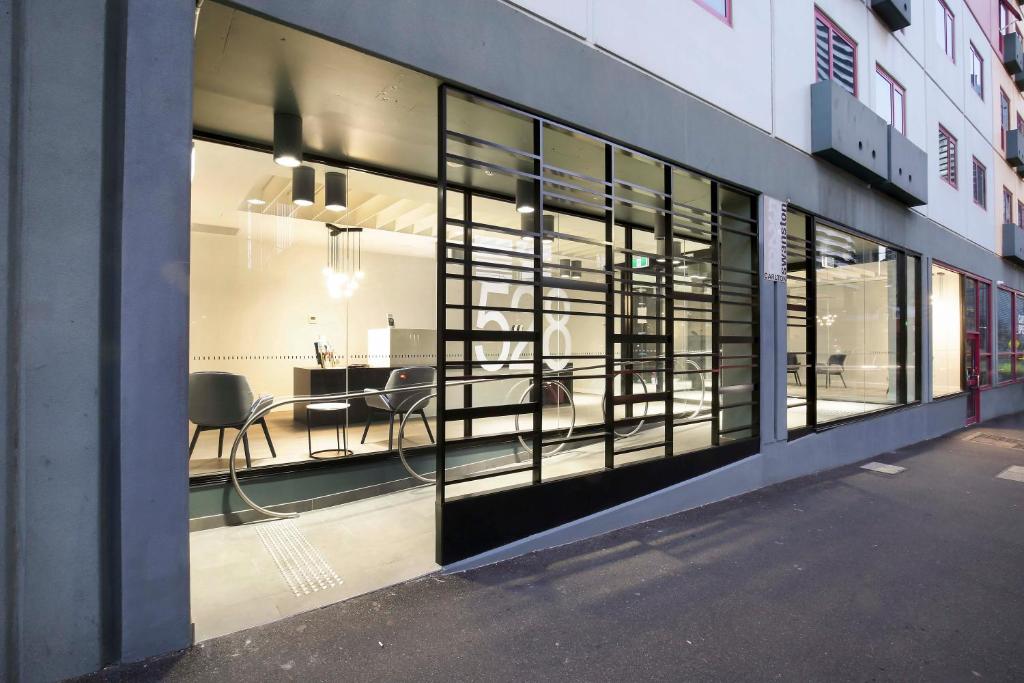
398, 404
834, 367
219, 401
793, 367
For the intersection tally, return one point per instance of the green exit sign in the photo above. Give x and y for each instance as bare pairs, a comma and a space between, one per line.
641, 261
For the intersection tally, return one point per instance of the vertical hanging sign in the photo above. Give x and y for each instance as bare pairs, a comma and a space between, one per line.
774, 213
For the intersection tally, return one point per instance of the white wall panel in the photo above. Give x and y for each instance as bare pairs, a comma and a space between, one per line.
684, 43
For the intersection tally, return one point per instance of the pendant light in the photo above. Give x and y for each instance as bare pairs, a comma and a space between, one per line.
525, 202
547, 232
303, 185
342, 272
335, 191
287, 139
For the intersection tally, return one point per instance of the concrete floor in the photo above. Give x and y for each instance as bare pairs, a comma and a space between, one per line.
237, 581
846, 575
247, 575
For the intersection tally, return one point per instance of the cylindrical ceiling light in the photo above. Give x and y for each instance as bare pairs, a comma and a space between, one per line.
661, 221
303, 185
525, 201
335, 191
287, 139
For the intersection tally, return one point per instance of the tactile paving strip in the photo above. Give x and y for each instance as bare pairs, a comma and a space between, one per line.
302, 566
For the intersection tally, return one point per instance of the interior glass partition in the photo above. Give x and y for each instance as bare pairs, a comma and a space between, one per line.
603, 299
852, 332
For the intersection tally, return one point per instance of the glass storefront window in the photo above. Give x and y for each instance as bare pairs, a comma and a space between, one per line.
852, 331
857, 319
798, 280
947, 331
1005, 341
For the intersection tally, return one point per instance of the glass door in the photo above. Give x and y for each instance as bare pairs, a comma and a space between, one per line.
972, 362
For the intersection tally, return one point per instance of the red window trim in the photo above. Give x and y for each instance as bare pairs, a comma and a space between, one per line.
952, 21
895, 85
827, 20
955, 183
727, 19
1000, 29
1007, 193
975, 165
975, 52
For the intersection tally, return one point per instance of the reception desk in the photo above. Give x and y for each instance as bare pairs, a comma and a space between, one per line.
318, 381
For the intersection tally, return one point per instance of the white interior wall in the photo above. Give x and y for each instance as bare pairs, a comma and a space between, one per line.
256, 320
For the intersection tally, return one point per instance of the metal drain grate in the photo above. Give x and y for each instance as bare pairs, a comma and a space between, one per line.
989, 439
302, 566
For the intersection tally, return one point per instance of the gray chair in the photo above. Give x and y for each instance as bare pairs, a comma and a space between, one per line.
219, 401
793, 367
398, 404
834, 368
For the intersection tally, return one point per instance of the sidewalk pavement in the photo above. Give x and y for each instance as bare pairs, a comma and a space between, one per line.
847, 575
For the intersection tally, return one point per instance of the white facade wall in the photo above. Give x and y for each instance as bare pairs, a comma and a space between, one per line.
760, 69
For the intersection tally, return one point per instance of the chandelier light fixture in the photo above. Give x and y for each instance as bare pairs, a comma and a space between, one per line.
343, 271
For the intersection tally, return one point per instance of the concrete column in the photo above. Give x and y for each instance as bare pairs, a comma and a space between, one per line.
54, 568
152, 372
95, 320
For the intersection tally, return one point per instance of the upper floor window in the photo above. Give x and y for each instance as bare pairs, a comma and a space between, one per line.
1020, 122
1004, 118
1007, 205
1020, 213
835, 53
945, 25
720, 8
978, 184
947, 156
890, 100
977, 72
1007, 21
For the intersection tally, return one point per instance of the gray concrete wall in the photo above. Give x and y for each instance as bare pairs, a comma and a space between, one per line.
152, 372
95, 518
7, 249
54, 568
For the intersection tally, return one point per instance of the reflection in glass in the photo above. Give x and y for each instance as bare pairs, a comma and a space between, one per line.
857, 325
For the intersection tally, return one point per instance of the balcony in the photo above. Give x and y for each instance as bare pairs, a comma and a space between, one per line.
1013, 54
1015, 147
894, 13
907, 177
1013, 243
845, 132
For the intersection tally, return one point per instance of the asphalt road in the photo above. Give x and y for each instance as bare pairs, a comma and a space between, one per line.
847, 575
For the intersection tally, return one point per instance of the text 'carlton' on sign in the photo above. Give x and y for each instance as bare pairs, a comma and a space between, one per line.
774, 213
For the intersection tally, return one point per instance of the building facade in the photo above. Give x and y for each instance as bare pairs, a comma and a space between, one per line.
648, 255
